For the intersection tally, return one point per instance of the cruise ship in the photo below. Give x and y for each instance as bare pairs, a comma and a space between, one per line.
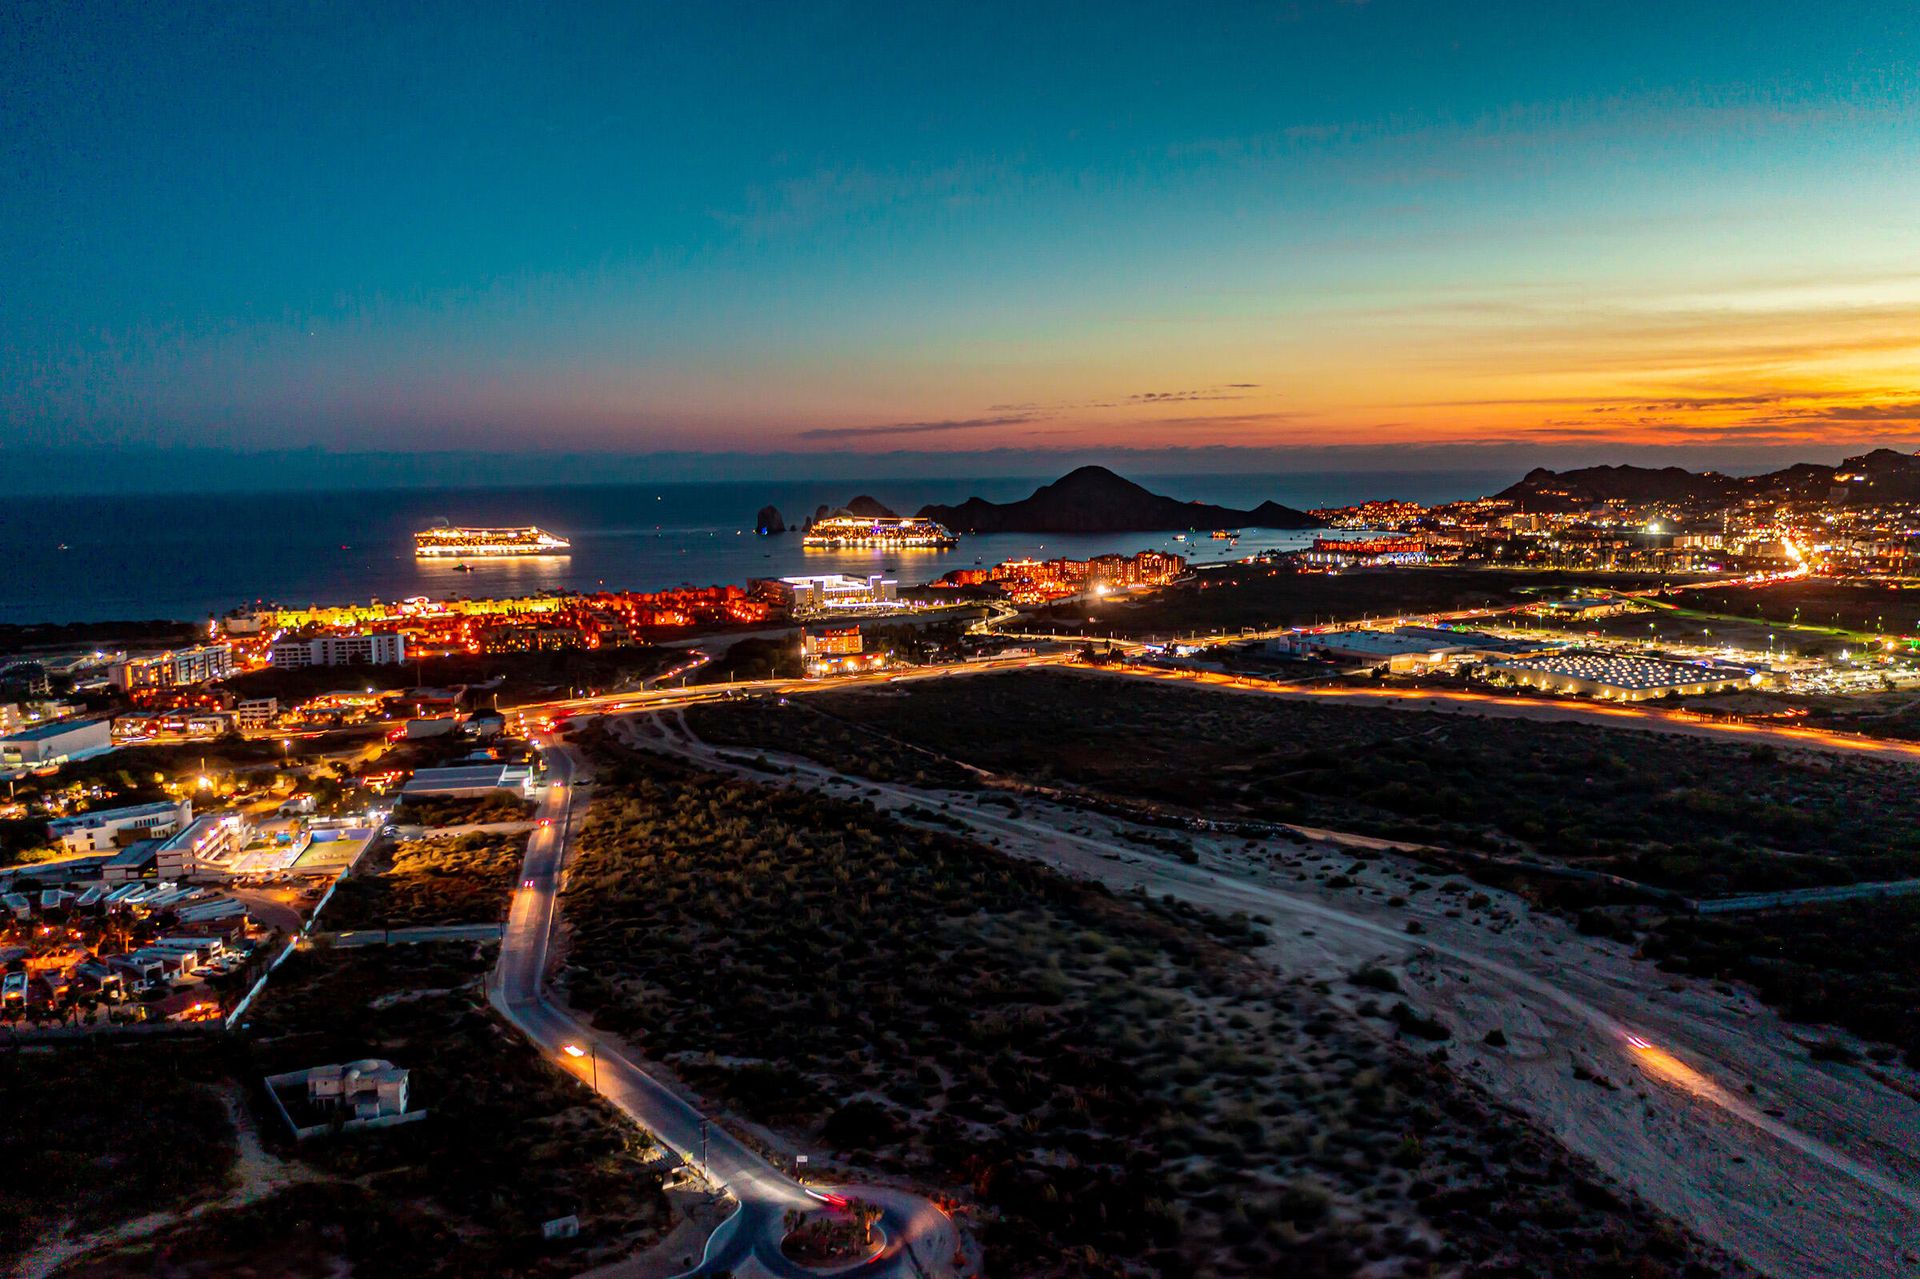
895, 532
441, 542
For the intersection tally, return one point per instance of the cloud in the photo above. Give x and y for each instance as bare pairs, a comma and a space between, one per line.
913, 428
1179, 397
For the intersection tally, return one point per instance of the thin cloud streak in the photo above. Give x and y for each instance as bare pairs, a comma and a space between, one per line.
912, 428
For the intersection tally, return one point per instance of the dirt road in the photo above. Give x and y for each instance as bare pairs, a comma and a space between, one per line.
1701, 1099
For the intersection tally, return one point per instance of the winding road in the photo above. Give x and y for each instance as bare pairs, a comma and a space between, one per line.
919, 1237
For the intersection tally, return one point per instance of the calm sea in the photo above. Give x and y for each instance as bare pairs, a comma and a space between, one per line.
174, 556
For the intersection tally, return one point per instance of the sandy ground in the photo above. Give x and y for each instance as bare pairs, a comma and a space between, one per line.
256, 1173
1701, 1099
696, 1213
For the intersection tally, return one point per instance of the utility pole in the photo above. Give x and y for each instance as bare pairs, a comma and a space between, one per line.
703, 1144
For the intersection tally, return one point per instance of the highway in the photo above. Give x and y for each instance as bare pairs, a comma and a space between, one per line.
1495, 705
919, 1237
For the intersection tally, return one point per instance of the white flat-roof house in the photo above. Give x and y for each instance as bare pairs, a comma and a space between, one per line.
371, 1089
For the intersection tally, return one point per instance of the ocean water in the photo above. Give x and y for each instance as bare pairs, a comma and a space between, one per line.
169, 555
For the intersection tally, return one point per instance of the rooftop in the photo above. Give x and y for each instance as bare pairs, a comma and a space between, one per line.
40, 732
80, 821
1624, 671
1384, 643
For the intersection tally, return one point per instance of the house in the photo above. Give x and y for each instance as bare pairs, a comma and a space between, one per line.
369, 1089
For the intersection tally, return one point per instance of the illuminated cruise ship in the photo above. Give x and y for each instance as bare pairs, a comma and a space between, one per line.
441, 542
890, 531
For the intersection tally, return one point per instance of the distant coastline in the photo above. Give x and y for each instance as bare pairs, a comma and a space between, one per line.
231, 549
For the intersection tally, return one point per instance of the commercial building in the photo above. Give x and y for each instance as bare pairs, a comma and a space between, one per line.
252, 714
1621, 677
173, 668
463, 781
381, 649
55, 741
1365, 553
1585, 608
205, 846
834, 641
827, 591
100, 830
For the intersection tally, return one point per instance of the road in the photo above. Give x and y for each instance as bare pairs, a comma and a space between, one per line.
1493, 705
1721, 1120
920, 1238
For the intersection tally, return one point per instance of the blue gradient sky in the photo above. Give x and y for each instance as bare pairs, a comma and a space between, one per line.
818, 229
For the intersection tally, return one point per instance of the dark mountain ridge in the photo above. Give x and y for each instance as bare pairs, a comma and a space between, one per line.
1093, 499
1884, 475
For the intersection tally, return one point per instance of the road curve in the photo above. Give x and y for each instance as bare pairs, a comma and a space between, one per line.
918, 1235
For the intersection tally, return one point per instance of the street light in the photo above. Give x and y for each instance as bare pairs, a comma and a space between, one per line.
592, 1053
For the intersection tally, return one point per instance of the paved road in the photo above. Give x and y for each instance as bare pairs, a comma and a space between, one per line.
1492, 705
919, 1236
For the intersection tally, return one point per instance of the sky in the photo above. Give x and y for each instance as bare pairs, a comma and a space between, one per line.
778, 238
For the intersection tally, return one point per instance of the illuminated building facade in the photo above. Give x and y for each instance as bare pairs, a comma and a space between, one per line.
378, 649
196, 665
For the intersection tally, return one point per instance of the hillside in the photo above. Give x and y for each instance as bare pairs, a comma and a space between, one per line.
1884, 475
1095, 500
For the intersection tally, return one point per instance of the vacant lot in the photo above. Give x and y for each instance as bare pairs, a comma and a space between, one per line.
1693, 815
465, 810
1875, 608
98, 1133
762, 724
463, 880
510, 1141
1850, 964
1261, 597
1110, 1081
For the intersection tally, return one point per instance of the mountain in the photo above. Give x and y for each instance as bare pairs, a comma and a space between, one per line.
1884, 475
868, 508
1095, 500
1544, 490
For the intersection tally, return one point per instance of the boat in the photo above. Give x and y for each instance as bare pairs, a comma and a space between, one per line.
1224, 535
893, 532
443, 542
463, 568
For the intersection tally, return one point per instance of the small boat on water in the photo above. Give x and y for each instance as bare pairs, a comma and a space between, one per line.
463, 568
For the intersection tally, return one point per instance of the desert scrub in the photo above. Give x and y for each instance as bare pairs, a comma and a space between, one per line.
1117, 1090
